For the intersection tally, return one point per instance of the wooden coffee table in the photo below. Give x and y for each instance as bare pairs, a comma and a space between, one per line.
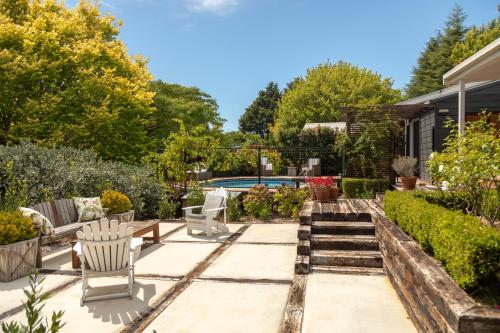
140, 228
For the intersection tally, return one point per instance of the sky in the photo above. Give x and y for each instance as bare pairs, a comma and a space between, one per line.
231, 49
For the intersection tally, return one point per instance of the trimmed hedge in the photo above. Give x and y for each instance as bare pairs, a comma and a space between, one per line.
469, 250
363, 188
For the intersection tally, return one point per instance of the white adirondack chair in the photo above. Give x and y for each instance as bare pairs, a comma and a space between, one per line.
106, 248
207, 219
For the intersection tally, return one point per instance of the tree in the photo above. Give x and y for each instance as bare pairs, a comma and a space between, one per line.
66, 79
174, 103
260, 114
316, 98
475, 39
436, 60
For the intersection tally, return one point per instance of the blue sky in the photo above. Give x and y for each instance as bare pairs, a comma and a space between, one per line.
232, 48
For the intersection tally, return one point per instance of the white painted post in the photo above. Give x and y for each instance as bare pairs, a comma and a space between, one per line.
461, 107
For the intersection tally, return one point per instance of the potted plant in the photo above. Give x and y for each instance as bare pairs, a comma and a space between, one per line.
404, 166
321, 187
18, 245
119, 205
334, 192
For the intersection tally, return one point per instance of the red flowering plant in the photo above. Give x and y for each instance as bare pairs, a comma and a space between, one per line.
320, 183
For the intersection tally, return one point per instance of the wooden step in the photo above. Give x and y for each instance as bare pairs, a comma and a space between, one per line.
344, 242
348, 270
343, 228
346, 258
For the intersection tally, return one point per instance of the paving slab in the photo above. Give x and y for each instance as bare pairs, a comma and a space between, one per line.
165, 227
218, 307
12, 295
270, 233
103, 316
200, 236
254, 262
347, 303
59, 260
172, 259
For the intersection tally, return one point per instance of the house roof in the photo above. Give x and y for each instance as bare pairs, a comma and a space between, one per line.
446, 92
334, 126
483, 65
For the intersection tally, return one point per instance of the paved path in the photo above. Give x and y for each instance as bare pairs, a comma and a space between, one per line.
244, 288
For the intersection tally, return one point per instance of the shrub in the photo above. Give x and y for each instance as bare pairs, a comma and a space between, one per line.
289, 200
116, 202
234, 211
67, 172
14, 193
259, 202
469, 250
469, 164
363, 188
404, 166
14, 227
195, 195
168, 208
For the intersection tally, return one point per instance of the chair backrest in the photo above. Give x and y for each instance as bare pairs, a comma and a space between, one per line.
211, 202
106, 245
221, 192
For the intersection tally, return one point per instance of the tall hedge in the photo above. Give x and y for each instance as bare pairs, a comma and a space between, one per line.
468, 249
65, 172
363, 187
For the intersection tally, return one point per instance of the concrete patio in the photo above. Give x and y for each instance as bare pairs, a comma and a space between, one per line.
234, 282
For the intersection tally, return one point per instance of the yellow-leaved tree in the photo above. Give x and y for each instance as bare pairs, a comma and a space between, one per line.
66, 79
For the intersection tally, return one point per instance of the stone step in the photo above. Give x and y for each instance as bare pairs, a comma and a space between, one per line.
348, 270
343, 228
346, 258
344, 242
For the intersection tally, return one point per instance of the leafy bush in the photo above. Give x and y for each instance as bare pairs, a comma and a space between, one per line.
168, 208
363, 188
234, 211
14, 227
195, 195
288, 200
33, 308
14, 193
258, 202
116, 202
469, 250
66, 172
470, 164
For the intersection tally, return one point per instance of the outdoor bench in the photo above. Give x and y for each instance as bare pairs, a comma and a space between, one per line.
63, 215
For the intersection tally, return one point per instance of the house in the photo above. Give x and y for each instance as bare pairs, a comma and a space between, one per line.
425, 131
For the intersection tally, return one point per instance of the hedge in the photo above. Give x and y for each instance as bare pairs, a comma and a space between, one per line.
55, 173
468, 249
363, 187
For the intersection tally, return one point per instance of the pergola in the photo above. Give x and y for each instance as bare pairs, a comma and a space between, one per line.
482, 66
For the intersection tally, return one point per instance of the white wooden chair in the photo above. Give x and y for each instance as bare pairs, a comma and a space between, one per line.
107, 248
207, 219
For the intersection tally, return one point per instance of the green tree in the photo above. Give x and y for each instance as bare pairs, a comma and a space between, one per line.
260, 114
475, 39
316, 98
66, 79
190, 105
436, 59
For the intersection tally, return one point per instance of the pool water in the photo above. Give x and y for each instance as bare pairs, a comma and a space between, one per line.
249, 182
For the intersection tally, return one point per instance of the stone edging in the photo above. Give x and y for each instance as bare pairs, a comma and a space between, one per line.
432, 299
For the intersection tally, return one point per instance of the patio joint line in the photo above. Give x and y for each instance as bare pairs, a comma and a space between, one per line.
142, 321
245, 280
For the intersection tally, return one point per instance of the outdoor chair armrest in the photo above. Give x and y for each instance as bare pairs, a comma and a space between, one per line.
215, 209
192, 207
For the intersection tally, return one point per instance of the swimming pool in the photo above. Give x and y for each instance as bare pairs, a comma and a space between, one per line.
249, 182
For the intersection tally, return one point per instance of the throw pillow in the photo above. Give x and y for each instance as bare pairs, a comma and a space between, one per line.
42, 223
88, 209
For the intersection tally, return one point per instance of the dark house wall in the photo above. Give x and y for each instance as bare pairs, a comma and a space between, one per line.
487, 98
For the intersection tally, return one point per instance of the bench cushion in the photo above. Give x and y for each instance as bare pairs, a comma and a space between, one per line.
88, 209
41, 222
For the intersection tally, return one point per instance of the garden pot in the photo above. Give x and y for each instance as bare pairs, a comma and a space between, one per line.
409, 182
123, 217
334, 193
313, 194
18, 259
322, 195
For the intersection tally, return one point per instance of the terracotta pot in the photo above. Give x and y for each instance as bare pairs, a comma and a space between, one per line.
313, 194
334, 193
322, 195
409, 182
